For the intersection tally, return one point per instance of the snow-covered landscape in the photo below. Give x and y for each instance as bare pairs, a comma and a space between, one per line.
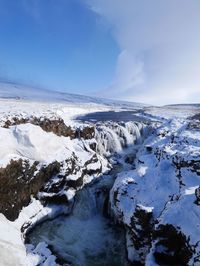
99, 133
80, 188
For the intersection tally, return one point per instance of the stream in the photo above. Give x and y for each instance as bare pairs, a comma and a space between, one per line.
88, 235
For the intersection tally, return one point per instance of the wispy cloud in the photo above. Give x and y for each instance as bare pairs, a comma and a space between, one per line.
159, 41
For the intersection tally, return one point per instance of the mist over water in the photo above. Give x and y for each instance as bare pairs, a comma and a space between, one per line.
85, 237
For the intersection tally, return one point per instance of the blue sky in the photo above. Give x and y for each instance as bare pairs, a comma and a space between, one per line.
136, 50
58, 44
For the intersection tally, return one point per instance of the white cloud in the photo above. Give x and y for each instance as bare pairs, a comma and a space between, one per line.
160, 49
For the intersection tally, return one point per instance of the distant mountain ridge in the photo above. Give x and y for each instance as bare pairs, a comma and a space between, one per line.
10, 90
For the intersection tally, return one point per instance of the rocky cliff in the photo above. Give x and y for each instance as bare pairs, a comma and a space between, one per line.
158, 202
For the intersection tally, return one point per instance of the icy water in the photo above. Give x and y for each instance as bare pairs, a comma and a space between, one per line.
86, 237
124, 116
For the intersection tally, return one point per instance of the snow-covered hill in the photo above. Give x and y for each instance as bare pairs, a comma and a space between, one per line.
17, 91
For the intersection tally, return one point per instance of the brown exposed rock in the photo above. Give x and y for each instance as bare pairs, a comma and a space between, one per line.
63, 182
72, 167
18, 183
85, 171
56, 126
86, 132
15, 121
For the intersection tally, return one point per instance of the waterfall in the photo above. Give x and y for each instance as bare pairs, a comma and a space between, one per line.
85, 237
112, 137
88, 203
108, 141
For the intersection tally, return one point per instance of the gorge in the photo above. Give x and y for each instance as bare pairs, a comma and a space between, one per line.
91, 191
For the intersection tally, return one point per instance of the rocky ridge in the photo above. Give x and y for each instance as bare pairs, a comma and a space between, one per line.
56, 181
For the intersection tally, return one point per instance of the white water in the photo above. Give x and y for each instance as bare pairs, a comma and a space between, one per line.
85, 237
112, 137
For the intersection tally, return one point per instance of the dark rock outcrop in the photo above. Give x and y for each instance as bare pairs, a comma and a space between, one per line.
193, 165
130, 159
172, 247
15, 121
194, 122
71, 177
141, 231
197, 195
19, 180
54, 125
85, 132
